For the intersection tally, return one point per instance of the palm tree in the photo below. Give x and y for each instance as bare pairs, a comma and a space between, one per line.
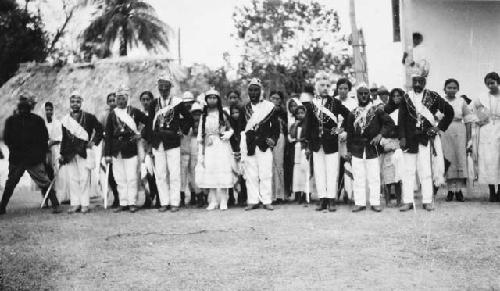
130, 21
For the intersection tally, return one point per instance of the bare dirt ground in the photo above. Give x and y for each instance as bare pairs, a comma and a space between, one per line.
292, 248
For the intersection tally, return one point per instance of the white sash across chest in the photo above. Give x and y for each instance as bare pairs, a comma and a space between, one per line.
124, 117
74, 127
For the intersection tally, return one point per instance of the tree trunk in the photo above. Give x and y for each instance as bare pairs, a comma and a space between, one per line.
124, 39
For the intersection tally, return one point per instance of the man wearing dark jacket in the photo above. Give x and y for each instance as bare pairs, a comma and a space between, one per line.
121, 147
81, 131
322, 131
365, 127
417, 129
27, 138
258, 140
164, 135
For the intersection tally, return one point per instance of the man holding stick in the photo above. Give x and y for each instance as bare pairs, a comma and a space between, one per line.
81, 131
27, 138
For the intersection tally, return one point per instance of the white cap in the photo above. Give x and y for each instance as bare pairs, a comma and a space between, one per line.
305, 97
196, 107
212, 91
187, 96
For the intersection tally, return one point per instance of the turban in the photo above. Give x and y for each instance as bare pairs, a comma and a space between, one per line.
76, 93
122, 91
362, 85
165, 77
420, 69
256, 82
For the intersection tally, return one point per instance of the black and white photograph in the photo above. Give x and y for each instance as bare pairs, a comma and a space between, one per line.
250, 145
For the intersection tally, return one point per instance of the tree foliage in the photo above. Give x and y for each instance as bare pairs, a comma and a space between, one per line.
286, 42
132, 22
22, 39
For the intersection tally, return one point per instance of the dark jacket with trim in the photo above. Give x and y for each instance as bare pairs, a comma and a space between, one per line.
327, 139
269, 128
379, 122
118, 137
168, 129
72, 146
407, 122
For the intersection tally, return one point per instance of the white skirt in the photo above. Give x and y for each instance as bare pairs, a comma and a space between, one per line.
489, 153
217, 171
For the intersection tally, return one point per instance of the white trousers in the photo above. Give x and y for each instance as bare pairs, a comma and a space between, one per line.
259, 175
326, 172
79, 181
419, 163
126, 176
168, 161
366, 170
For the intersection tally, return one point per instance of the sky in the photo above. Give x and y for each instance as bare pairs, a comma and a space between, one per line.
206, 27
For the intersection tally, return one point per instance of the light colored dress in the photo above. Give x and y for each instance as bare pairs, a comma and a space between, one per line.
216, 171
488, 138
454, 140
301, 164
279, 165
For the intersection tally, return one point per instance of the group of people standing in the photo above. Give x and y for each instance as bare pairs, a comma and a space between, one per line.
184, 151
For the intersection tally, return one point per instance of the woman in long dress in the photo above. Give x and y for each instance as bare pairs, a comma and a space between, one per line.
215, 156
279, 150
391, 158
487, 109
455, 141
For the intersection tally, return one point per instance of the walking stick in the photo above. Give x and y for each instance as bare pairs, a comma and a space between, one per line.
47, 193
51, 185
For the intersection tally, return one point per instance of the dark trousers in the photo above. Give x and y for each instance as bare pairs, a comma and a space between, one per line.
340, 183
153, 189
113, 185
37, 173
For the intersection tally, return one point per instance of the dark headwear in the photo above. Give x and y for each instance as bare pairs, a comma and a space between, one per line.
493, 76
451, 80
344, 81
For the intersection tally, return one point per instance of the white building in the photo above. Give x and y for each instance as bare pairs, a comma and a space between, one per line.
461, 40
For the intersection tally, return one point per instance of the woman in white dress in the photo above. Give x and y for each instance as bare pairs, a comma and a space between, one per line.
455, 140
215, 157
487, 109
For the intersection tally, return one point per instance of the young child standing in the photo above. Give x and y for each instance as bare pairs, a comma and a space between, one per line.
301, 162
238, 123
196, 112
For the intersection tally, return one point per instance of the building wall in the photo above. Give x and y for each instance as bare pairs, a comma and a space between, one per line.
383, 55
461, 41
